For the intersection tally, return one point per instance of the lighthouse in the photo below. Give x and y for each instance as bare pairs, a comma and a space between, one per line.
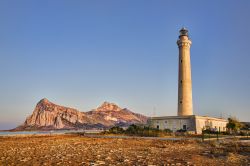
185, 103
186, 120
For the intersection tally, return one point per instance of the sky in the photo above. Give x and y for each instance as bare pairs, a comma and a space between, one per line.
82, 53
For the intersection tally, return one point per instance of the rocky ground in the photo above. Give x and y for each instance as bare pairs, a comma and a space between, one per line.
78, 150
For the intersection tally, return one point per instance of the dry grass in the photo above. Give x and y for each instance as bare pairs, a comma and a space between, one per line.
77, 150
233, 152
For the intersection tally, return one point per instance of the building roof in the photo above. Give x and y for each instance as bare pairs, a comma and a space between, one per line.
187, 117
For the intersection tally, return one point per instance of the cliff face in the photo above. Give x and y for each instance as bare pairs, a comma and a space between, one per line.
48, 115
110, 114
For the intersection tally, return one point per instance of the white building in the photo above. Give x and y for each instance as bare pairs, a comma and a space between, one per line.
191, 123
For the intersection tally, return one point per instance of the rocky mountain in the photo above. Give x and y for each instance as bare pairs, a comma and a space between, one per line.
48, 115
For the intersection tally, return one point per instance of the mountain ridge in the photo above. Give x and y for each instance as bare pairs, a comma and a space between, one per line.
51, 116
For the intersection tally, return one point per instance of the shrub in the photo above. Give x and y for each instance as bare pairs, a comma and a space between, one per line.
142, 131
116, 130
136, 130
181, 130
243, 133
209, 131
133, 129
168, 131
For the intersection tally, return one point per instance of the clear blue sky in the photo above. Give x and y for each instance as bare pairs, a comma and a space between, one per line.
82, 53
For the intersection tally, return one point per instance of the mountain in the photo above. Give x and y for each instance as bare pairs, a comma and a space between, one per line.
47, 116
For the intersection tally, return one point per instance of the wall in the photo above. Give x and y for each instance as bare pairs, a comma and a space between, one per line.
193, 123
215, 124
173, 123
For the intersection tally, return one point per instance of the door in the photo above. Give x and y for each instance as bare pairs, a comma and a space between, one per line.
184, 127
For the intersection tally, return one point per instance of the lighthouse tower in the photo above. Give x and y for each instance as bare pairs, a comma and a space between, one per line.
185, 103
186, 120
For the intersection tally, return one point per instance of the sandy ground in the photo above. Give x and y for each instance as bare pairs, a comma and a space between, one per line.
77, 150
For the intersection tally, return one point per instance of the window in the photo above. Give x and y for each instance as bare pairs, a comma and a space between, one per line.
184, 127
180, 102
181, 81
166, 121
157, 127
181, 60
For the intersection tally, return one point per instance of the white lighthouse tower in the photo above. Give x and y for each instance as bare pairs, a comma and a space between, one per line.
185, 103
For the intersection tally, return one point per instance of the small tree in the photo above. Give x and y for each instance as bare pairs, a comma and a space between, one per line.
234, 125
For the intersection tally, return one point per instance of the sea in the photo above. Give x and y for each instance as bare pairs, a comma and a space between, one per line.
14, 133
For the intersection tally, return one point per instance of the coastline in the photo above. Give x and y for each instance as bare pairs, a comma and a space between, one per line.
44, 132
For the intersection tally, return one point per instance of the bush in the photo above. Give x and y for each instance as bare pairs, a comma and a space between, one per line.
116, 130
168, 131
182, 131
224, 133
209, 131
136, 130
243, 133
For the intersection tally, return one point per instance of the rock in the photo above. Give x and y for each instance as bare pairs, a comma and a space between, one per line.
100, 162
48, 115
58, 123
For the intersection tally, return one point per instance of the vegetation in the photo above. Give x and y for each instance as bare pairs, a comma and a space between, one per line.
234, 125
182, 131
116, 130
209, 131
136, 130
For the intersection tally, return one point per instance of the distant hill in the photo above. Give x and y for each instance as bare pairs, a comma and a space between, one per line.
49, 116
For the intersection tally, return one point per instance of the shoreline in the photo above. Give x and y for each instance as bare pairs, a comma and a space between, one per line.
49, 132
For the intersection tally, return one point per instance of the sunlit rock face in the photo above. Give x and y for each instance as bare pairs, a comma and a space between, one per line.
48, 115
106, 106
